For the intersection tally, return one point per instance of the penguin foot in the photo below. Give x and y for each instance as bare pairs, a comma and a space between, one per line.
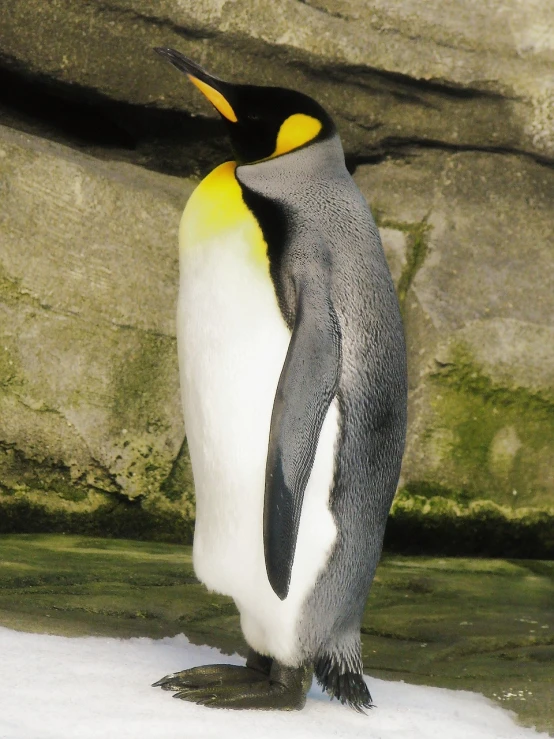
257, 668
283, 688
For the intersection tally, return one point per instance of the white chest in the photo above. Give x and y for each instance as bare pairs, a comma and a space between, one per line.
232, 344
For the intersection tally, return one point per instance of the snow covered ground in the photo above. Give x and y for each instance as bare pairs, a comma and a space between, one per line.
53, 687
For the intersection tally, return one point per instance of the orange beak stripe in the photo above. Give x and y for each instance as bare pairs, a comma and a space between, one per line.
215, 98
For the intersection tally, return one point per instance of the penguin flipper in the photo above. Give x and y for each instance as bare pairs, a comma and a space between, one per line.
307, 385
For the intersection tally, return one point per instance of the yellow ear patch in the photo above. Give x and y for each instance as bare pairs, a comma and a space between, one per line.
298, 129
215, 98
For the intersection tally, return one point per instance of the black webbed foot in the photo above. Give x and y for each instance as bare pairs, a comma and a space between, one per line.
262, 684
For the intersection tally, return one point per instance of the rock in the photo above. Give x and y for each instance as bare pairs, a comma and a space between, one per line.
458, 73
395, 245
452, 104
89, 392
479, 310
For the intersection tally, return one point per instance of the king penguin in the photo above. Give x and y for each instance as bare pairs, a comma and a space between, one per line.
293, 376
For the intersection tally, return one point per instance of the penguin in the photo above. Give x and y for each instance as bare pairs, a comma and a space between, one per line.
293, 376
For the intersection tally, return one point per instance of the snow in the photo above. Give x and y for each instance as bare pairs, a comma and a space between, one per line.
53, 687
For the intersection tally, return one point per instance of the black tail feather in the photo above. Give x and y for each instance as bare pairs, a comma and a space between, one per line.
346, 685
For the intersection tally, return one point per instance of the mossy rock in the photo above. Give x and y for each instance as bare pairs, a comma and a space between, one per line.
91, 429
477, 475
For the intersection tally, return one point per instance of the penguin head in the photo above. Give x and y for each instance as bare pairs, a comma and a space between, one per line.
262, 122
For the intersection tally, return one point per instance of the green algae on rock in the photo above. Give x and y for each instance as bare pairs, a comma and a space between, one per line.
415, 250
487, 473
477, 475
90, 418
431, 519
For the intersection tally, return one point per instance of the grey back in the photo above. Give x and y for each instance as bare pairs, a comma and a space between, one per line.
320, 202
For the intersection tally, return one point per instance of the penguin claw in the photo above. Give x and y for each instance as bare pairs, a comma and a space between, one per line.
209, 675
164, 680
200, 697
207, 697
196, 696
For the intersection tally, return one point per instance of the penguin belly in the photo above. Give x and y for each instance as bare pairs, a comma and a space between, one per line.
233, 342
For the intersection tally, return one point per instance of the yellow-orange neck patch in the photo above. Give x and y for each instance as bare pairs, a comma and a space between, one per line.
297, 130
216, 211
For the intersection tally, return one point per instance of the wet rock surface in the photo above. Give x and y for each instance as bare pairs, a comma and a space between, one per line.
481, 625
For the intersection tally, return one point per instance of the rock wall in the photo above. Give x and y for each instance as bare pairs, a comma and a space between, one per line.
90, 418
478, 308
446, 113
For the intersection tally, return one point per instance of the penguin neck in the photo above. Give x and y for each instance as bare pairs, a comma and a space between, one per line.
320, 160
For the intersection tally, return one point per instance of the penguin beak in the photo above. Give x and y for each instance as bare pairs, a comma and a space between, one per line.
212, 87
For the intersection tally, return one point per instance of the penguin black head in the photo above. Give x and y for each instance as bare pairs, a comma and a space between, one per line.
262, 122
